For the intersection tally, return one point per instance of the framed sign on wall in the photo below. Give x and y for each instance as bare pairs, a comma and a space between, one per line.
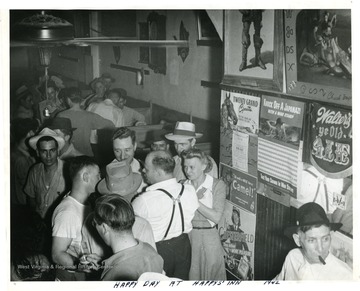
318, 54
254, 49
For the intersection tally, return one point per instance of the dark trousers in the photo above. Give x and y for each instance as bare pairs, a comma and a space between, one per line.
176, 253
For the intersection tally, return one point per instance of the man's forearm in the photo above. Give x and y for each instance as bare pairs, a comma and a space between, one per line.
66, 260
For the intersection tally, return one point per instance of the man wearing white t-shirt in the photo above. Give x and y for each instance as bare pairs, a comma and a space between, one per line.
67, 221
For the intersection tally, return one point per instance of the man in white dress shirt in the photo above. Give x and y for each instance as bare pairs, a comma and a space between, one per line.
169, 207
108, 109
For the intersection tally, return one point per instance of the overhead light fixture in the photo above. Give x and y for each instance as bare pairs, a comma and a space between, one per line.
46, 31
43, 28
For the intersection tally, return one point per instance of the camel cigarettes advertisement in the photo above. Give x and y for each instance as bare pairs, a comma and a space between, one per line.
237, 233
279, 143
331, 141
240, 112
241, 187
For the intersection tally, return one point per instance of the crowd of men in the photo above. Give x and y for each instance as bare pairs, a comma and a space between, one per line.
69, 223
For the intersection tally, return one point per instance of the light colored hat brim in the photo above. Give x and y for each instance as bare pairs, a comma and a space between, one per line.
103, 189
33, 141
175, 137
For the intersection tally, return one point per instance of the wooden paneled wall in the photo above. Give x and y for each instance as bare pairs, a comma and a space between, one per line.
271, 246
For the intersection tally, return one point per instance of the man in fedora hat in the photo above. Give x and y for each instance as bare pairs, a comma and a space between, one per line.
122, 181
313, 259
45, 183
62, 126
169, 207
184, 138
68, 219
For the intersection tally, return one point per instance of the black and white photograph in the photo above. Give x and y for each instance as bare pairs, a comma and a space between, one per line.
136, 156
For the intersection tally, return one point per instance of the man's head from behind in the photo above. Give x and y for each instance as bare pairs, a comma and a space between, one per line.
73, 96
124, 144
312, 232
84, 173
159, 166
113, 215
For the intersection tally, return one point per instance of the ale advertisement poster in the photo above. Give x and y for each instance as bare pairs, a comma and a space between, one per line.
331, 141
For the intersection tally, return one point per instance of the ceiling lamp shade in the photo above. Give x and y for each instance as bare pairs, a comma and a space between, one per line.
43, 28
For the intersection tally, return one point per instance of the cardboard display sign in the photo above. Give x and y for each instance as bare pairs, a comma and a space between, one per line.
241, 187
237, 233
331, 141
279, 151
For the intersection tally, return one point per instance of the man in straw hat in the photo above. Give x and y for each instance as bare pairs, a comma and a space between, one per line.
122, 181
62, 126
184, 137
68, 218
114, 219
169, 207
46, 183
313, 259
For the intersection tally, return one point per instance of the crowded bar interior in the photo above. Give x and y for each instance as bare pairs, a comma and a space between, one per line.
196, 145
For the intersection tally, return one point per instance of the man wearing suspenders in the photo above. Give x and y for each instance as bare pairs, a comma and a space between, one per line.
169, 207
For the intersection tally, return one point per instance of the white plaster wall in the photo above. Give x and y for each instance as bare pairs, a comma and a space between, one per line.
180, 88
